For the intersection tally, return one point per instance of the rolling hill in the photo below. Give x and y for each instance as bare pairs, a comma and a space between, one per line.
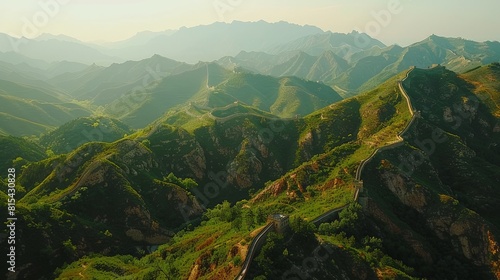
27, 110
18, 151
76, 133
102, 85
486, 83
210, 85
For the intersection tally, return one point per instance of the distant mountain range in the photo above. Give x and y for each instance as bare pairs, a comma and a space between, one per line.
335, 60
201, 43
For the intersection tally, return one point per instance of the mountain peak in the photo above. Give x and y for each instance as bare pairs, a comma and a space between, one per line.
60, 37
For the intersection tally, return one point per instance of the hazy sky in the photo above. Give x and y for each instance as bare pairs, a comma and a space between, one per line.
391, 21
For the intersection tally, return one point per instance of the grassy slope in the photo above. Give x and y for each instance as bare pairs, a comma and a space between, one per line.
99, 198
83, 130
13, 147
29, 111
486, 82
285, 97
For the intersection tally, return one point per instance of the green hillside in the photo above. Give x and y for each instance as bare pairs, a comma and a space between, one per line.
102, 198
30, 93
24, 117
437, 193
343, 45
258, 62
212, 86
74, 134
297, 66
144, 107
17, 151
30, 110
21, 127
102, 85
284, 97
357, 70
486, 82
456, 54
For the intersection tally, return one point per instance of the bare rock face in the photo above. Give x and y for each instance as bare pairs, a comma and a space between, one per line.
245, 169
409, 194
373, 210
133, 157
274, 189
470, 237
306, 144
196, 161
467, 231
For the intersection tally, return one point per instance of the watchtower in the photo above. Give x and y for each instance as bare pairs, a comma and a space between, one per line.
281, 222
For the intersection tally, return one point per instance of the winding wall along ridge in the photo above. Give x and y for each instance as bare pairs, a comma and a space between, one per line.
261, 237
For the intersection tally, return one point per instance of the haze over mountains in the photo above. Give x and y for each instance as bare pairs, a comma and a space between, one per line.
202, 43
71, 70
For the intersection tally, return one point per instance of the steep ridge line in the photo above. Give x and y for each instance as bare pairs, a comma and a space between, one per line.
400, 140
260, 238
73, 188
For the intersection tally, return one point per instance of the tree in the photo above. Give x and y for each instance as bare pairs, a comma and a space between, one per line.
260, 216
248, 218
350, 219
326, 228
311, 191
50, 153
171, 178
189, 183
237, 223
69, 247
302, 228
19, 162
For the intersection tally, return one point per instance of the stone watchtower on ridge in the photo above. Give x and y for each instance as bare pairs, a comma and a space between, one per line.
281, 222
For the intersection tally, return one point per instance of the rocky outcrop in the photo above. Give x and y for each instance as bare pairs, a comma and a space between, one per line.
466, 231
245, 169
422, 250
196, 161
408, 192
